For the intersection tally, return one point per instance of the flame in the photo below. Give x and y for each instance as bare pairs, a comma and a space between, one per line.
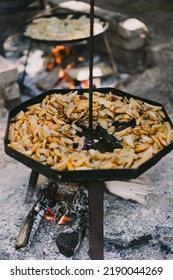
84, 84
50, 215
80, 58
58, 54
72, 85
64, 220
63, 75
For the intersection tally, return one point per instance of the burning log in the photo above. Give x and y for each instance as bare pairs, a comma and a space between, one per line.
29, 228
69, 240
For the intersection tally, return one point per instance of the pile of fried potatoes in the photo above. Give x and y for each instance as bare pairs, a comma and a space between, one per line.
47, 131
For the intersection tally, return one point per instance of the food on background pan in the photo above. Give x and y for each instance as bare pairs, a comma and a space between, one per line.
58, 29
51, 131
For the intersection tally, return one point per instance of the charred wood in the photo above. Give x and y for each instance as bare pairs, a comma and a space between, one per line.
30, 226
120, 245
69, 240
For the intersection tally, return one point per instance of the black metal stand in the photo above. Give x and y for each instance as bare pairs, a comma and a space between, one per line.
110, 53
25, 64
31, 186
96, 243
2, 52
42, 4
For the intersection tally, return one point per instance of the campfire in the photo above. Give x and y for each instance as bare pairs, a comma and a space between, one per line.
56, 207
68, 67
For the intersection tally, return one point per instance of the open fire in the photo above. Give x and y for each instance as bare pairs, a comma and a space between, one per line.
52, 206
50, 215
73, 71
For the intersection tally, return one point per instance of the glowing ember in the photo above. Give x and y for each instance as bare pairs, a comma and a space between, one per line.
66, 219
64, 76
84, 84
50, 215
61, 73
80, 58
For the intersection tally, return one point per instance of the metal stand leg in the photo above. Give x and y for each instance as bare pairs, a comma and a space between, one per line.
42, 4
31, 186
109, 50
25, 64
2, 52
96, 243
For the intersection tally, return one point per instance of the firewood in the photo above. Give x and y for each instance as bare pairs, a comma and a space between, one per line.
31, 223
135, 190
80, 73
69, 240
30, 226
50, 80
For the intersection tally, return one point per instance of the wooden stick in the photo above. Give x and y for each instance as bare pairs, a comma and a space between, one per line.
130, 190
35, 216
31, 224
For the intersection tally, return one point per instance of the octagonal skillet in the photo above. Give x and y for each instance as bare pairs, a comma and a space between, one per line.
82, 175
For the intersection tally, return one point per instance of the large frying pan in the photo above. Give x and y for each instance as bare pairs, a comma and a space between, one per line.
103, 27
82, 175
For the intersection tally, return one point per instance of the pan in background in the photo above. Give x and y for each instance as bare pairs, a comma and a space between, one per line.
103, 25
